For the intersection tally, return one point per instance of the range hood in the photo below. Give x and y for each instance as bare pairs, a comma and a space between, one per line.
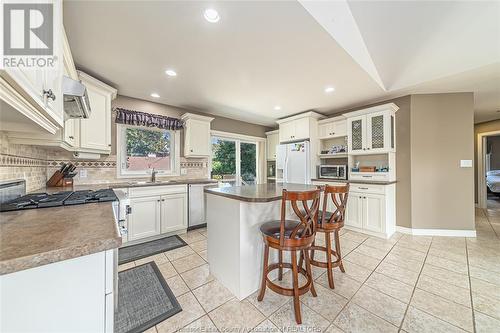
76, 101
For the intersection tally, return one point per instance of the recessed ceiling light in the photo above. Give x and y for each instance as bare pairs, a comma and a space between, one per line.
155, 95
329, 90
211, 15
170, 72
277, 107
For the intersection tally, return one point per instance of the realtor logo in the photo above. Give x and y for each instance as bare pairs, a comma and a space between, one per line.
28, 29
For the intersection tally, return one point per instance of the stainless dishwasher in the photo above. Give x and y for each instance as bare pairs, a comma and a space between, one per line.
196, 197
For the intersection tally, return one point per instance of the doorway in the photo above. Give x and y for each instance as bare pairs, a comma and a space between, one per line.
488, 170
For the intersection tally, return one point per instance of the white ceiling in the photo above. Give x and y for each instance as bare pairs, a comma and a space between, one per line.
262, 54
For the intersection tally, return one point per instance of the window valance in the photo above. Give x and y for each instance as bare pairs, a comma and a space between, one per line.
130, 117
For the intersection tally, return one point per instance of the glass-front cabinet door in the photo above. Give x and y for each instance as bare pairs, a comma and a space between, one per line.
356, 130
380, 132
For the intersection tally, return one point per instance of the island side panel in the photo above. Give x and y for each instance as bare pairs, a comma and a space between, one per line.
223, 245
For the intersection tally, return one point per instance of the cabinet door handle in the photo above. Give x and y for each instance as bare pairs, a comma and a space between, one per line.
162, 199
71, 137
49, 94
191, 150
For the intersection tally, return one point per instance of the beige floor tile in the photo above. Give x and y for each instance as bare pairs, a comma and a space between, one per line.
199, 245
333, 329
378, 243
406, 263
177, 285
380, 304
346, 246
203, 231
192, 236
185, 264
167, 270
203, 324
444, 289
191, 310
485, 288
486, 305
486, 324
419, 322
353, 236
126, 266
355, 271
266, 326
412, 244
150, 330
235, 315
204, 255
344, 284
461, 258
212, 295
197, 276
327, 303
443, 309
272, 301
422, 240
450, 265
159, 259
284, 319
398, 273
355, 319
390, 286
408, 253
179, 252
372, 251
485, 275
362, 259
456, 279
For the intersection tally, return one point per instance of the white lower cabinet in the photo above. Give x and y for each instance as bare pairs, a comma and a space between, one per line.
371, 208
156, 210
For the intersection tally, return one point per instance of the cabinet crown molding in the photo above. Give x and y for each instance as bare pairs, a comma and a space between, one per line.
384, 107
332, 119
187, 116
101, 85
273, 132
310, 114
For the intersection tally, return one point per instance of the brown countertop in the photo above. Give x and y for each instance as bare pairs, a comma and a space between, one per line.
36, 237
258, 193
374, 182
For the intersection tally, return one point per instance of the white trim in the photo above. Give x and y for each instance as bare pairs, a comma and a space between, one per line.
378, 108
87, 79
236, 136
436, 232
273, 132
331, 120
481, 171
69, 65
310, 114
188, 115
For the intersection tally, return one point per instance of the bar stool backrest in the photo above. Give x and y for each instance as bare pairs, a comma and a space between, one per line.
308, 214
338, 195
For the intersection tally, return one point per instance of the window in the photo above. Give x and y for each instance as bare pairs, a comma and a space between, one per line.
141, 149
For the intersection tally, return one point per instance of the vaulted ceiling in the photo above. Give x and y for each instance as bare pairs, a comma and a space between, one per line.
285, 53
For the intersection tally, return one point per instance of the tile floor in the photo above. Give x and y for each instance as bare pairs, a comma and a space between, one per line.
405, 284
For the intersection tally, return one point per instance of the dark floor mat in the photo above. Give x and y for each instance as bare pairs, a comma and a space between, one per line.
143, 250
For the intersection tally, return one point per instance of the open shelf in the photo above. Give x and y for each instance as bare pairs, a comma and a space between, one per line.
339, 155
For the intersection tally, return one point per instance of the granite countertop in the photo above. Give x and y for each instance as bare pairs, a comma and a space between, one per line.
36, 237
374, 182
258, 193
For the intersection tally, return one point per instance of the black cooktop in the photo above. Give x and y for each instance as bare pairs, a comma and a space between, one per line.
41, 200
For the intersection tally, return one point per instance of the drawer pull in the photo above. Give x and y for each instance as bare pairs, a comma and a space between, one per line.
363, 188
367, 176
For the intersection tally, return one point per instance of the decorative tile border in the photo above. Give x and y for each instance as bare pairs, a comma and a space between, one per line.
112, 164
8, 160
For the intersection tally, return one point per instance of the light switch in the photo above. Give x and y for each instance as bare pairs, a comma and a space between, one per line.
83, 173
466, 163
184, 171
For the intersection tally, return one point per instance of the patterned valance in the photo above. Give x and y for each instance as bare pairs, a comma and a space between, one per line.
130, 117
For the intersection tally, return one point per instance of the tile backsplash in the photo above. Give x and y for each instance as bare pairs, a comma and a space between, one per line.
36, 164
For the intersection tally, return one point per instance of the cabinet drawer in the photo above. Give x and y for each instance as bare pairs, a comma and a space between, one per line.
367, 188
147, 191
369, 176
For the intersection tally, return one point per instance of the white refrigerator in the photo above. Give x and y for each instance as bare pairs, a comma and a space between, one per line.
293, 163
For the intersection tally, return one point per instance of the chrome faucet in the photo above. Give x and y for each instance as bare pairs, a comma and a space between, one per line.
153, 175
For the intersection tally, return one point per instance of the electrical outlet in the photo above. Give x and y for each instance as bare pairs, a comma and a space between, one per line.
83, 173
184, 171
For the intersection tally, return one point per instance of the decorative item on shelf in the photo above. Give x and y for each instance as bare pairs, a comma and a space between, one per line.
63, 177
338, 149
367, 169
384, 169
356, 168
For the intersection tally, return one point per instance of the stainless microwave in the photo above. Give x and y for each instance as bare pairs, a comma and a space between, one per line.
332, 171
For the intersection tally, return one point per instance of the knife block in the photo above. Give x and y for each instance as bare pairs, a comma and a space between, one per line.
58, 180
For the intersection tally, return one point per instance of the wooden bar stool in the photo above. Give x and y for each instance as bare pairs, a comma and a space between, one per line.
329, 223
293, 236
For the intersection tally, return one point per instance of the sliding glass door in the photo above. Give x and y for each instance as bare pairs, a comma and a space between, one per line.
234, 162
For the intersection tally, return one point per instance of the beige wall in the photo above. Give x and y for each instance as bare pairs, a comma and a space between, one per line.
489, 126
441, 128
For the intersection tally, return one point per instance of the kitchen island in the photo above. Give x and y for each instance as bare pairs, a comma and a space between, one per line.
235, 245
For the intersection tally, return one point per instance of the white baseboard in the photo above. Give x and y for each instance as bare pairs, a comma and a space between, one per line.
436, 232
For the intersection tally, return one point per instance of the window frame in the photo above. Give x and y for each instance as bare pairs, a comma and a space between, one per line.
121, 153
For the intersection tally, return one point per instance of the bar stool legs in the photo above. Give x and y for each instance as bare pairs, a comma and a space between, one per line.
265, 271
337, 249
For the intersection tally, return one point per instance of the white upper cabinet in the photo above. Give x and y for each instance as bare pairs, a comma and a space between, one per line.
332, 128
196, 135
372, 130
95, 131
36, 92
300, 127
272, 141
